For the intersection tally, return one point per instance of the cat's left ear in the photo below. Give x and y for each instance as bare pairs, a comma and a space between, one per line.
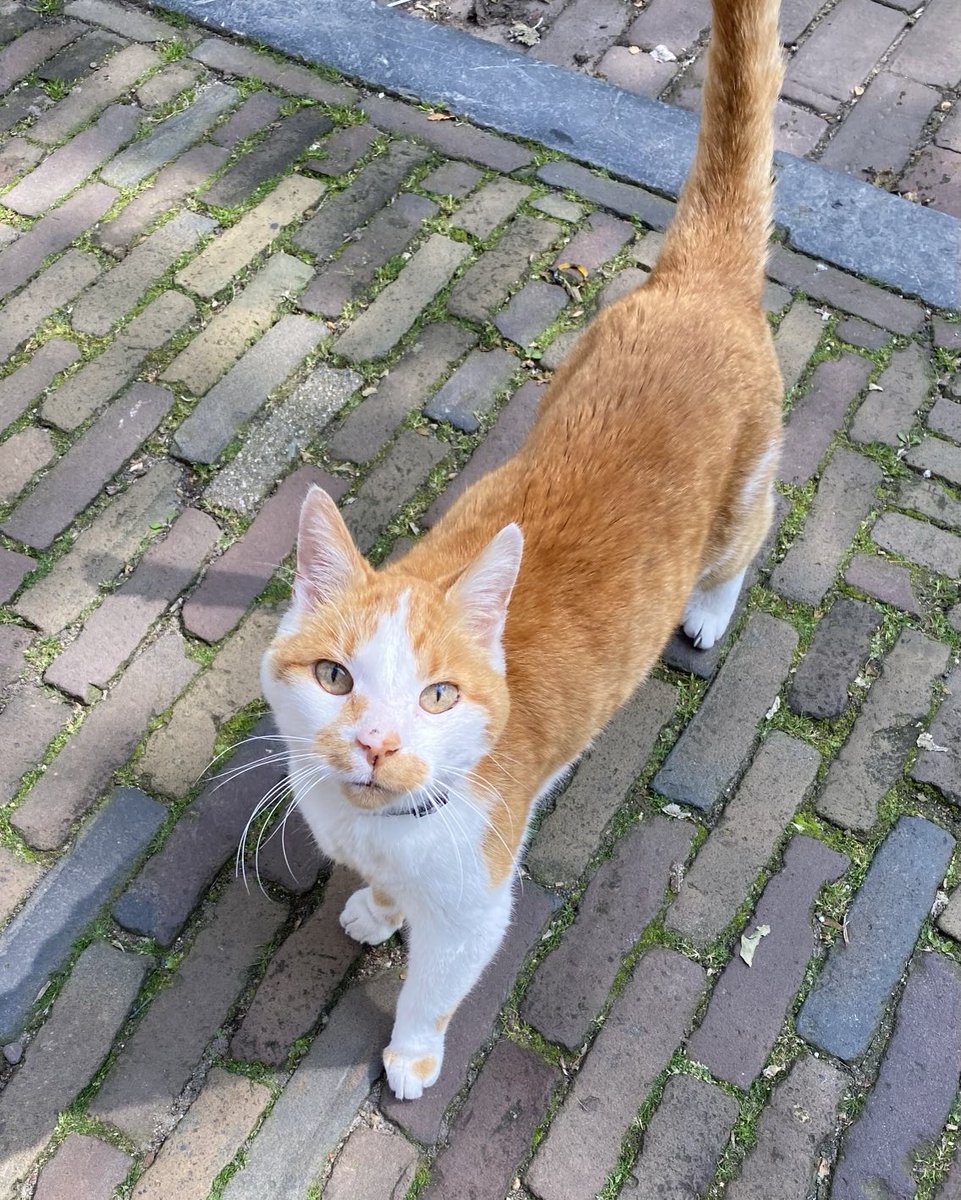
327, 559
484, 589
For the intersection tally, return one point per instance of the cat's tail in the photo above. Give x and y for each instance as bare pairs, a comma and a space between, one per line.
724, 213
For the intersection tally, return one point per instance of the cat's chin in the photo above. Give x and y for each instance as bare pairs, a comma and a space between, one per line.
369, 796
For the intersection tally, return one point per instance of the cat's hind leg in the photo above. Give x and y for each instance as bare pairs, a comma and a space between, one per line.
370, 916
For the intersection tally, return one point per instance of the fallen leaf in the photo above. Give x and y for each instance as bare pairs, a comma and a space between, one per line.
751, 941
633, 49
858, 91
439, 116
927, 742
578, 267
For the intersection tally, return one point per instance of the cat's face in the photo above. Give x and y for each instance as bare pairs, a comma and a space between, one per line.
389, 685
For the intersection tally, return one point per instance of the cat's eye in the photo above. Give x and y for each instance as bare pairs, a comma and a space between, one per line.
333, 677
439, 697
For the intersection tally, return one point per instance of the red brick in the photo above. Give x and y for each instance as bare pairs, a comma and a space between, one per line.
937, 457
115, 630
88, 465
484, 286
919, 542
391, 484
888, 415
492, 1132
244, 570
82, 769
600, 239
473, 389
530, 311
84, 1168
16, 157
945, 417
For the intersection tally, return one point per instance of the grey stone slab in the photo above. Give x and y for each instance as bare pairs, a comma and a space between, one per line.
843, 1009
125, 21
391, 484
569, 834
908, 1105
919, 542
65, 1053
170, 137
942, 767
887, 416
21, 387
38, 939
485, 284
873, 757
51, 290
245, 387
750, 828
110, 83
81, 56
376, 1164
819, 412
721, 735
837, 652
473, 389
530, 312
331, 1082
287, 141
490, 207
938, 457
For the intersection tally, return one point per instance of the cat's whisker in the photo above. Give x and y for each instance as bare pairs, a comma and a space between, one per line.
258, 737
233, 773
278, 789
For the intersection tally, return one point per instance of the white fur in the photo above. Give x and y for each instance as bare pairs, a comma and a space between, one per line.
431, 866
707, 613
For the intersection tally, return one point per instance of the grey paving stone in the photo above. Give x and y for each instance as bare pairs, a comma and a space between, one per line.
885, 415
883, 580
907, 1108
473, 389
172, 881
873, 757
842, 1011
16, 879
942, 767
338, 217
452, 179
67, 167
52, 233
23, 102
600, 239
530, 312
845, 496
289, 856
242, 572
16, 158
100, 308
65, 1053
199, 365
502, 440
837, 652
929, 53
168, 84
492, 1132
321, 1097
240, 393
860, 333
749, 1004
818, 413
581, 32
89, 389
568, 835
279, 439
621, 198
112, 633
634, 72
233, 59
28, 724
22, 455
89, 463
169, 186
387, 234
254, 114
83, 767
945, 417
16, 21
397, 307
947, 334
721, 735
21, 387
377, 1164
949, 921
558, 206
920, 542
684, 1139
84, 1167
37, 941
101, 551
14, 641
129, 22
647, 1023
111, 81
31, 49
402, 389
796, 1122
881, 130
484, 286
490, 207
392, 482
572, 983
462, 141
159, 1057
75, 60
170, 137
288, 140
14, 568
797, 338
472, 1023
343, 150
938, 457
53, 289
750, 829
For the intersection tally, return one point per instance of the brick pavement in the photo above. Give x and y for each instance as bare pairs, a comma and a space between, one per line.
242, 275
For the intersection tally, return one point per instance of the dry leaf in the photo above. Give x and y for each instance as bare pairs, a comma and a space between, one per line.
439, 116
751, 941
633, 49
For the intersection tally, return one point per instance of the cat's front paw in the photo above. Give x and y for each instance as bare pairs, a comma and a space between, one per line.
410, 1070
364, 921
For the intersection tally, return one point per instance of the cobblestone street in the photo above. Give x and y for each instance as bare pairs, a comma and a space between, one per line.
226, 275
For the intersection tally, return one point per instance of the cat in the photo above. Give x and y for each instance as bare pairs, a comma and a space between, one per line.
427, 706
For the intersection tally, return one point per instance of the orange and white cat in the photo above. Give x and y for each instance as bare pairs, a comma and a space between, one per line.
428, 705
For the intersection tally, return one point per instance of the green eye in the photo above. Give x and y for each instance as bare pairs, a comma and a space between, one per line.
439, 697
334, 678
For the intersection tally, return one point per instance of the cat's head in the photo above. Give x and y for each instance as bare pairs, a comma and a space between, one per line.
390, 685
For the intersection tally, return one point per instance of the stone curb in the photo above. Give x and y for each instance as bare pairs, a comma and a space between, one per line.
825, 213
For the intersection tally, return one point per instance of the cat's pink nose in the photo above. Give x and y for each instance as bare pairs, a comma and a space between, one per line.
378, 746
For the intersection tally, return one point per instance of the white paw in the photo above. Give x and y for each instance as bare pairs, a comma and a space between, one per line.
410, 1071
704, 627
362, 921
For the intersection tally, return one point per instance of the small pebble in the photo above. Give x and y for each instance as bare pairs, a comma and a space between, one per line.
13, 1053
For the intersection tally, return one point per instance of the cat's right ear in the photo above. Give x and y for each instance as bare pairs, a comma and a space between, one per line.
327, 559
